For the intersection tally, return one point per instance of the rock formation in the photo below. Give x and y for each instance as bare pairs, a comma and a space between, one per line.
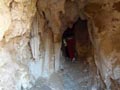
30, 38
104, 17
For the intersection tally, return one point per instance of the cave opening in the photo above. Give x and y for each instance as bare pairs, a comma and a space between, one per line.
78, 61
76, 43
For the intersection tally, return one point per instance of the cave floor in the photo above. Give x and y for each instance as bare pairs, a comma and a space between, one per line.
74, 76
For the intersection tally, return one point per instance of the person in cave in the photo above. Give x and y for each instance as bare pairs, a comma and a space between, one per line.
69, 44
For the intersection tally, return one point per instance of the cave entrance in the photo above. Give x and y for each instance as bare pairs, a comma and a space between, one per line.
76, 43
79, 72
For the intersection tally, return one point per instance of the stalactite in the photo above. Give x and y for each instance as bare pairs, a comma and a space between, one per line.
35, 38
49, 67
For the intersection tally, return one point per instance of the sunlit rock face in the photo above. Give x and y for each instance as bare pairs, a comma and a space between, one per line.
5, 17
15, 23
105, 18
22, 12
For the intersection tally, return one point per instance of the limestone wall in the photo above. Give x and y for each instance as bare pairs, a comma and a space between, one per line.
15, 22
105, 19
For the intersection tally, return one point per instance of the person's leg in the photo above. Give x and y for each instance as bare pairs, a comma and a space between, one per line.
71, 50
71, 53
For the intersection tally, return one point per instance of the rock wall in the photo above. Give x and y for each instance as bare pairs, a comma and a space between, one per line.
104, 17
15, 23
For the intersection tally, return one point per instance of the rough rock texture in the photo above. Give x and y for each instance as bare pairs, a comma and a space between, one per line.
4, 17
15, 21
105, 18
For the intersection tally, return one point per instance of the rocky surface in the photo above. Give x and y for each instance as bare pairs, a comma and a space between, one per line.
74, 76
16, 18
105, 18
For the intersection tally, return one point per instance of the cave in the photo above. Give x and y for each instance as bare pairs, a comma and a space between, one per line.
76, 37
32, 52
77, 58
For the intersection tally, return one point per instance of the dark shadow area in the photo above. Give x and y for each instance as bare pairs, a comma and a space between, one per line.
83, 42
76, 43
68, 44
